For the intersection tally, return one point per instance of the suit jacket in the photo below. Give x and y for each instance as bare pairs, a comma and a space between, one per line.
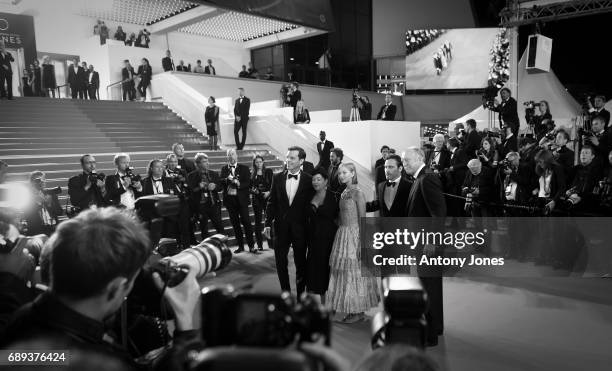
278, 210
456, 177
426, 198
389, 115
81, 198
186, 164
183, 68
324, 153
147, 186
211, 70
125, 73
443, 161
294, 98
379, 162
95, 80
334, 182
33, 215
76, 79
484, 181
193, 180
242, 109
114, 190
508, 113
472, 144
243, 174
398, 207
308, 167
145, 72
167, 64
5, 60
509, 145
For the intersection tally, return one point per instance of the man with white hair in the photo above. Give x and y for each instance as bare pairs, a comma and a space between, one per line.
427, 200
438, 158
479, 187
123, 187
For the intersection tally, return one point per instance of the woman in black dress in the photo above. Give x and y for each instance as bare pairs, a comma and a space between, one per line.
211, 117
36, 78
49, 83
322, 227
261, 182
26, 82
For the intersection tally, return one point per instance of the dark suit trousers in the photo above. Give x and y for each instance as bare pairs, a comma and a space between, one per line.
293, 235
259, 206
142, 87
128, 90
92, 92
212, 212
435, 312
75, 92
8, 77
240, 125
239, 214
179, 226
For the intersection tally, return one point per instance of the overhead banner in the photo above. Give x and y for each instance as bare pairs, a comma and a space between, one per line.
17, 31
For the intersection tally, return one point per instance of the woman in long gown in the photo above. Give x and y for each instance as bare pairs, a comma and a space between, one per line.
349, 293
322, 228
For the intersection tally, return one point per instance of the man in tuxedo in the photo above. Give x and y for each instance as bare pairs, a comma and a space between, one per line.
387, 112
156, 183
122, 190
210, 69
183, 162
588, 173
324, 147
598, 109
427, 200
564, 155
127, 77
438, 158
508, 112
392, 194
454, 176
205, 185
184, 227
84, 80
75, 79
181, 67
93, 83
290, 196
384, 152
307, 167
6, 72
510, 143
236, 182
83, 190
472, 141
295, 95
167, 62
241, 113
601, 140
335, 158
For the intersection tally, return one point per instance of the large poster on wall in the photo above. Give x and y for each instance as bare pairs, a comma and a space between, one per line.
448, 59
17, 31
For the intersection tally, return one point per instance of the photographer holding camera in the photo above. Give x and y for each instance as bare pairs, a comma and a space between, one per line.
205, 185
123, 187
88, 188
94, 260
597, 108
579, 196
42, 213
600, 138
185, 225
508, 112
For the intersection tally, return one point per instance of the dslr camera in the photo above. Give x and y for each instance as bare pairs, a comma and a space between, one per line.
94, 177
505, 164
129, 173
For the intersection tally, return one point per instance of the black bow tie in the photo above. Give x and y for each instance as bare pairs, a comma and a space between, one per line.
232, 166
390, 184
289, 176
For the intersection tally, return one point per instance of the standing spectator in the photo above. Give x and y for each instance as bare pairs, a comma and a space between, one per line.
210, 69
120, 35
321, 231
508, 114
242, 105
455, 175
93, 83
335, 158
261, 183
289, 199
295, 95
205, 185
472, 141
387, 112
384, 152
510, 143
244, 72
3, 171
324, 147
103, 33
182, 67
211, 117
143, 39
131, 41
37, 80
146, 73
167, 62
26, 83
598, 109
6, 72
75, 79
253, 73
236, 182
365, 108
269, 74
84, 79
96, 30
127, 81
198, 68
300, 114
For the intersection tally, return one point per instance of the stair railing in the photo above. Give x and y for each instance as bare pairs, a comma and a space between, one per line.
120, 83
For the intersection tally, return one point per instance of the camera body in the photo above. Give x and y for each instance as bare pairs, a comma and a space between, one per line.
94, 177
133, 177
505, 164
262, 320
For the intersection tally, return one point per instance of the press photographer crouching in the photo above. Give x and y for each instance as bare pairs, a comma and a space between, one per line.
41, 215
94, 259
86, 189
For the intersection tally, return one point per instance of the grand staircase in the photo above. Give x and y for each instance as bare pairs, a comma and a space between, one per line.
51, 134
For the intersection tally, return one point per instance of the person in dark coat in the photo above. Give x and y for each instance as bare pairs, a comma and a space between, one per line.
472, 141
211, 117
43, 212
75, 80
93, 83
145, 73
454, 177
387, 112
49, 83
6, 72
167, 62
508, 112
241, 114
205, 185
36, 79
324, 147
391, 194
321, 232
127, 83
261, 183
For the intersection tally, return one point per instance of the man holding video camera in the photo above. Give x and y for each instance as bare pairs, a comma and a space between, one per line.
123, 187
95, 259
44, 208
87, 189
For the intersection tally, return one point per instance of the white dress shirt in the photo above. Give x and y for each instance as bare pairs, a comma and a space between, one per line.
291, 186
